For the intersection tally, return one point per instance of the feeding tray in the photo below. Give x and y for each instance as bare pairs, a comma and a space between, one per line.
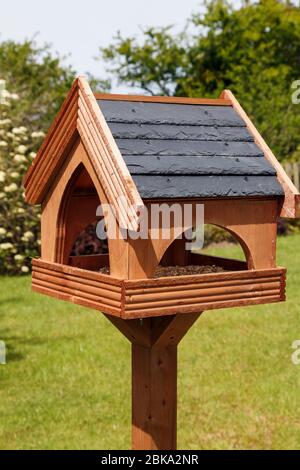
141, 298
126, 155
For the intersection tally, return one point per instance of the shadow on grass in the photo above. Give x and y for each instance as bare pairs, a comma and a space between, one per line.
14, 349
11, 300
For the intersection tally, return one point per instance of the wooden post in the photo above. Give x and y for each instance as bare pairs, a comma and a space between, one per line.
154, 377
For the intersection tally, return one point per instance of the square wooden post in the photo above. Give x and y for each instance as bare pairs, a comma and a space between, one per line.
154, 397
154, 377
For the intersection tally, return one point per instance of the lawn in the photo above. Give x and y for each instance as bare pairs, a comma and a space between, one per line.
66, 384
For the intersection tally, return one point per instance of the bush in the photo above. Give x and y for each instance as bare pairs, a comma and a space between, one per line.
19, 222
214, 234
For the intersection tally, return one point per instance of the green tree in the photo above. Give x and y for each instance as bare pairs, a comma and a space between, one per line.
37, 83
252, 50
40, 79
19, 222
33, 84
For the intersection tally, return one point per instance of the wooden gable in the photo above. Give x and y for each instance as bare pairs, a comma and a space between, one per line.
80, 115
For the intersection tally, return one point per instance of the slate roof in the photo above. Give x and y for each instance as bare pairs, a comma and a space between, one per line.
189, 150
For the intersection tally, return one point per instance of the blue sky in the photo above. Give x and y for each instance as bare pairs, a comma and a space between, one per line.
80, 27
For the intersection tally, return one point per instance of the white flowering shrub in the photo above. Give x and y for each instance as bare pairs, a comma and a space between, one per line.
19, 222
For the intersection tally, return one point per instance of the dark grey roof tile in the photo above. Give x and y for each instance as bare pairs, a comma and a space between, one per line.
155, 187
189, 151
180, 132
169, 113
193, 165
188, 147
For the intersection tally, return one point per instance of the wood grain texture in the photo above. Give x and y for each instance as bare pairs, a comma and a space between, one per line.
81, 114
155, 297
60, 221
56, 145
52, 206
162, 99
291, 202
116, 180
86, 288
154, 398
154, 377
251, 221
186, 294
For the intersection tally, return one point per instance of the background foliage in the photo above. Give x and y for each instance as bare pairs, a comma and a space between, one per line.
38, 83
19, 228
40, 79
253, 50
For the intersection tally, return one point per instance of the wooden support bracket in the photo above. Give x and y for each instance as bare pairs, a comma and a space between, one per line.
154, 377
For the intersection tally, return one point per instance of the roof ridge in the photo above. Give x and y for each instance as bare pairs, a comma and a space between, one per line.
163, 99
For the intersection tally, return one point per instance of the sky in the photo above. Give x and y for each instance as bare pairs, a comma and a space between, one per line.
79, 28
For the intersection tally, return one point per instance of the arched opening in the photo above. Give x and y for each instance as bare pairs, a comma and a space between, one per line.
221, 242
221, 251
77, 241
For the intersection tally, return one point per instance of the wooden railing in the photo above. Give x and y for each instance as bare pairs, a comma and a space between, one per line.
293, 171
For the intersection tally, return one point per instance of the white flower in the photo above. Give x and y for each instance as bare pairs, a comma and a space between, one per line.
6, 246
15, 174
19, 130
21, 210
28, 236
5, 122
3, 143
25, 269
20, 158
5, 94
19, 257
2, 195
2, 176
32, 154
2, 231
11, 188
21, 149
37, 134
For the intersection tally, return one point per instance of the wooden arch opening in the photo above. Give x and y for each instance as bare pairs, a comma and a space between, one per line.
178, 260
77, 241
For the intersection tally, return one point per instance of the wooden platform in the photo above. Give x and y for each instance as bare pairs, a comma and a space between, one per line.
141, 298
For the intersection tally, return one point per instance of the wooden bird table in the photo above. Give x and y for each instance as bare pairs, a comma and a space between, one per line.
130, 153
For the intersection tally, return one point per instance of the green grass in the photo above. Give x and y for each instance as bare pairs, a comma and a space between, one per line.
66, 384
